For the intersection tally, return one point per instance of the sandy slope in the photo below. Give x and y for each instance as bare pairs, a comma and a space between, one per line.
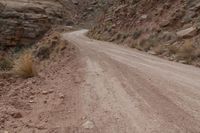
127, 91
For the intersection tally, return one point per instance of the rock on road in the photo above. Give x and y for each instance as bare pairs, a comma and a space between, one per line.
128, 91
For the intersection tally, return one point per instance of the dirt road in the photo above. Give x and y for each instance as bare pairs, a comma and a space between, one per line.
127, 91
103, 88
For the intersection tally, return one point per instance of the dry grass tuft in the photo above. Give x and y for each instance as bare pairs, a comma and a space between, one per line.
24, 66
159, 49
172, 49
186, 51
145, 44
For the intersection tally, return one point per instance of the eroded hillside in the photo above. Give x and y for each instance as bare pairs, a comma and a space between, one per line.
68, 83
167, 28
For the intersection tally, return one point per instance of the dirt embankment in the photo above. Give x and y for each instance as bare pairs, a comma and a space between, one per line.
166, 28
36, 104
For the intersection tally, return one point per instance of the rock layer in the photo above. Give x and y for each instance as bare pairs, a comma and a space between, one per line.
164, 26
23, 22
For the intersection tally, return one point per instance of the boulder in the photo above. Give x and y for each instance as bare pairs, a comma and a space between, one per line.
75, 2
189, 32
165, 23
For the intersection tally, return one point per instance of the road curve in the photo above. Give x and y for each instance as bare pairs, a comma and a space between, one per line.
128, 91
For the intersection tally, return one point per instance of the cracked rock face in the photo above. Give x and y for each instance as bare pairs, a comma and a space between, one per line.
23, 22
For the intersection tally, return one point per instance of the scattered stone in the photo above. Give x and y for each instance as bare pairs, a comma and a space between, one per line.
69, 112
51, 91
94, 2
152, 52
31, 101
165, 23
90, 9
83, 118
44, 92
61, 96
182, 61
16, 115
75, 2
88, 125
172, 58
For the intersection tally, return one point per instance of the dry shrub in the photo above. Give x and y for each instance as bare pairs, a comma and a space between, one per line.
136, 34
197, 52
144, 45
43, 52
159, 49
186, 51
6, 64
172, 49
50, 46
24, 66
62, 46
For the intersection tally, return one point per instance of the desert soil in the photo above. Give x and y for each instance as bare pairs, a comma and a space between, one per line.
106, 88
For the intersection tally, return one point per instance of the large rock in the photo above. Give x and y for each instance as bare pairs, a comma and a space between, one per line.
189, 32
88, 125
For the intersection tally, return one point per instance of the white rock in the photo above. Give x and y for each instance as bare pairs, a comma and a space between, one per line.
144, 16
88, 125
152, 52
31, 101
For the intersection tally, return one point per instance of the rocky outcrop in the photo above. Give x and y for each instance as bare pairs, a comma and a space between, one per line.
161, 25
22, 23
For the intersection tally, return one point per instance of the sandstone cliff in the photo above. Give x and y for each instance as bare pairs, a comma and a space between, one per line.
23, 22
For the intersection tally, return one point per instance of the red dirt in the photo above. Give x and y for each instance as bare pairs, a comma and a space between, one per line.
43, 103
